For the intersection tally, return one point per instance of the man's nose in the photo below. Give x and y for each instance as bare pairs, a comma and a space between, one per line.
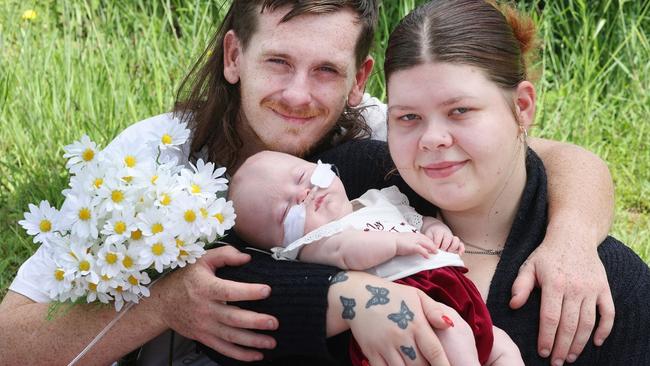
297, 91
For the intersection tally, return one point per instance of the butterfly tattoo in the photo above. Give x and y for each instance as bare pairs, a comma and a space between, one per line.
408, 351
348, 307
379, 296
404, 316
339, 277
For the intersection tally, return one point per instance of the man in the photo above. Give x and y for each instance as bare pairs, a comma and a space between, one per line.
286, 75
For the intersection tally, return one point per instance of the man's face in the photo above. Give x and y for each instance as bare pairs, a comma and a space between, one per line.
295, 78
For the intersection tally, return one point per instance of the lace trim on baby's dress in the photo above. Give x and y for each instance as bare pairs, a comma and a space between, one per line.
399, 200
290, 252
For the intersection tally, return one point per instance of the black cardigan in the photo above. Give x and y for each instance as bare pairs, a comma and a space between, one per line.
299, 295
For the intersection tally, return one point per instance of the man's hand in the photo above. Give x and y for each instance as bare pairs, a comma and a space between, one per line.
194, 303
574, 284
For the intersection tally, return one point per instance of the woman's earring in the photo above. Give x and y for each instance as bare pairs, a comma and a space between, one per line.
523, 130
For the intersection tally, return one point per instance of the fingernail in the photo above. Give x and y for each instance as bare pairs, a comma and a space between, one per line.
558, 362
266, 291
544, 353
571, 357
598, 342
271, 324
448, 321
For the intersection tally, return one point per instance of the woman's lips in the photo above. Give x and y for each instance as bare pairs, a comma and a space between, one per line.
443, 169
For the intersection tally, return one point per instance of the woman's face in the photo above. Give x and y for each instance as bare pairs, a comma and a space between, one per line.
452, 134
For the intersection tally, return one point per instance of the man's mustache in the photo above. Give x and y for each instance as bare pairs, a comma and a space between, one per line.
304, 112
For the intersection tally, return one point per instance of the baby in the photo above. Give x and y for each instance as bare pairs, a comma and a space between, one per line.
300, 210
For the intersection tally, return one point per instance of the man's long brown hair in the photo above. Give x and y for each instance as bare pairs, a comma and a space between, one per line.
211, 105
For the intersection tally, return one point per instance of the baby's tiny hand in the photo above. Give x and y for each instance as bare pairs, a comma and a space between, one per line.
444, 239
414, 243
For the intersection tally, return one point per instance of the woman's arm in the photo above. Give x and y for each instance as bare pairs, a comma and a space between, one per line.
580, 214
190, 301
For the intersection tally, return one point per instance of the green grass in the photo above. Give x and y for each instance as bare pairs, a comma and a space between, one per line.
95, 66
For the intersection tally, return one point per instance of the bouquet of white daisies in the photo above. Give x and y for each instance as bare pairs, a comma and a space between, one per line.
131, 211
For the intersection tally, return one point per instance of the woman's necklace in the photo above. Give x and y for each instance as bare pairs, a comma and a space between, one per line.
482, 251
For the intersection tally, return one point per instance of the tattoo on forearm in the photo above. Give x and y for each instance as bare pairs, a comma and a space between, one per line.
348, 307
379, 296
404, 316
408, 351
339, 277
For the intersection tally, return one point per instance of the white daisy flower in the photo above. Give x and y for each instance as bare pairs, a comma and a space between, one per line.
77, 260
137, 282
121, 296
185, 216
57, 281
224, 214
79, 214
109, 260
171, 135
119, 226
79, 154
132, 257
188, 252
151, 222
114, 194
40, 222
160, 251
136, 238
203, 180
93, 294
89, 180
105, 283
130, 156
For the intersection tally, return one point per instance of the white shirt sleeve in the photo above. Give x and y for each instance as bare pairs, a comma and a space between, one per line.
29, 277
375, 114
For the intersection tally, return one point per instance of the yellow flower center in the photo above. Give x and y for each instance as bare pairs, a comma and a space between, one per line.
84, 214
119, 289
98, 182
133, 281
166, 200
120, 227
84, 265
154, 179
127, 262
58, 274
92, 286
105, 277
130, 161
111, 258
166, 139
179, 243
157, 228
44, 226
183, 253
136, 234
196, 189
127, 179
189, 216
158, 249
117, 196
219, 217
88, 155
204, 212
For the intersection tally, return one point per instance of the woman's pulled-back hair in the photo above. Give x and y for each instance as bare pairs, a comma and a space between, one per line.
211, 105
478, 33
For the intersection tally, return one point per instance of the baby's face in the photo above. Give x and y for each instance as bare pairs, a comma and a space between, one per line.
268, 184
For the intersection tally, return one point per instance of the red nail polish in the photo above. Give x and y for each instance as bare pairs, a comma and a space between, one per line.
446, 319
364, 363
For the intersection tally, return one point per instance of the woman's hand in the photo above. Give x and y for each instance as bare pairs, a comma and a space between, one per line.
392, 323
193, 302
574, 284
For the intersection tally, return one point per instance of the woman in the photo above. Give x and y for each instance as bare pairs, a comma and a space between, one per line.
459, 108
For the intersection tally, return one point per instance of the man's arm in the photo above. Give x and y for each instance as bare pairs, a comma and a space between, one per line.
190, 301
566, 264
